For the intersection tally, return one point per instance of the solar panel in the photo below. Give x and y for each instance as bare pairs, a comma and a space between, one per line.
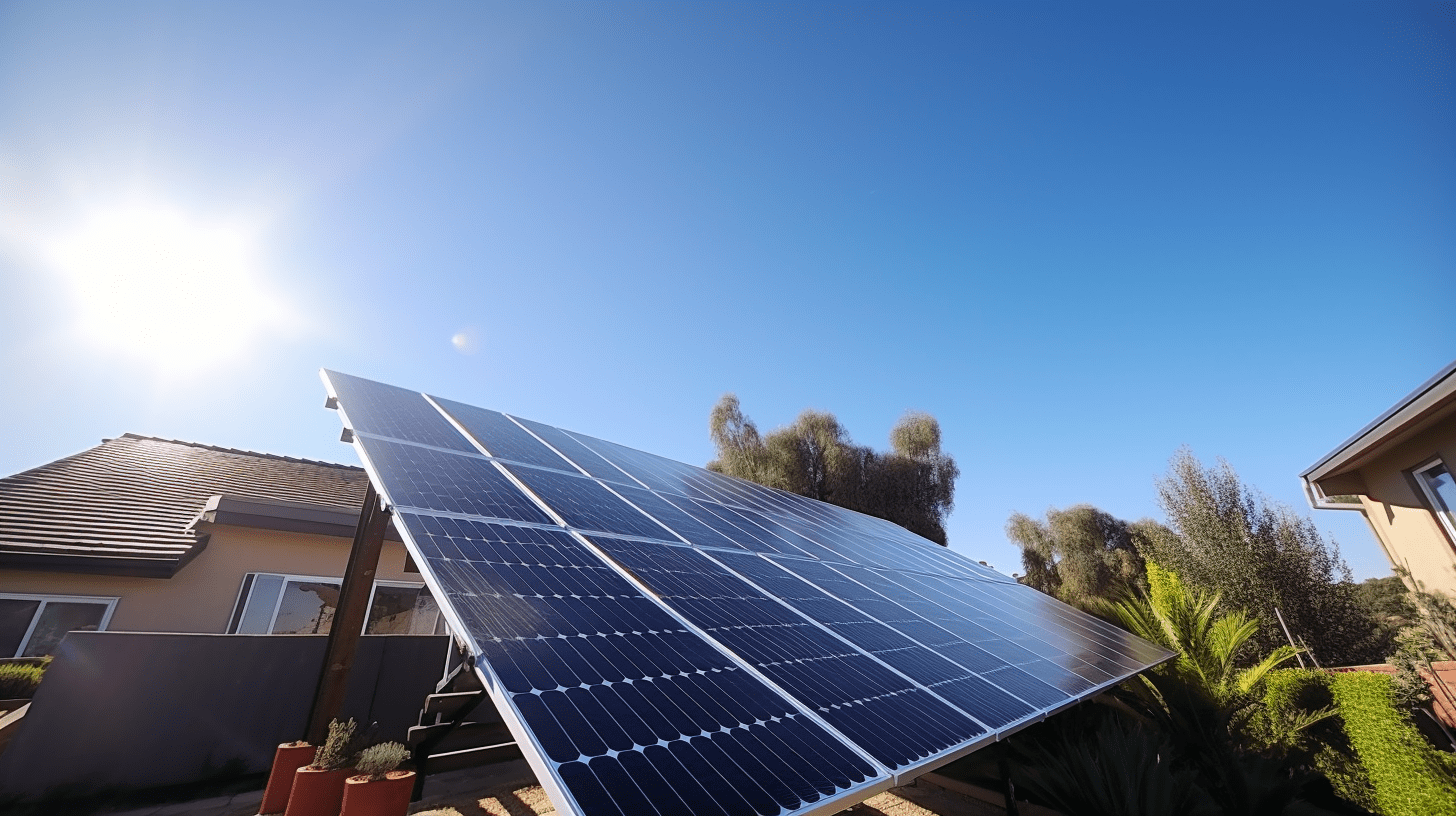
664, 639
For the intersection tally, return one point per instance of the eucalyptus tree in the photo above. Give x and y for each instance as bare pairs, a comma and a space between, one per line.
912, 484
1081, 555
1260, 555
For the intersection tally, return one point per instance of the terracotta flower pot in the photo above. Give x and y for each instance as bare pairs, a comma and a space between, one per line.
389, 796
289, 758
317, 792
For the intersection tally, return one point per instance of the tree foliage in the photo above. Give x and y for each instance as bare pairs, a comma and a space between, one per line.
912, 484
1259, 555
1187, 621
1081, 555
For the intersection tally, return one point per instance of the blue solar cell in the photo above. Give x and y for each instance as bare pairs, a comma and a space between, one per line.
867, 620
503, 438
852, 692
582, 456
743, 535
430, 479
587, 504
686, 525
385, 410
598, 672
654, 471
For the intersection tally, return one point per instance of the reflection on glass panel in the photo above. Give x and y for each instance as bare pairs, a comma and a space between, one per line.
285, 605
15, 617
262, 599
58, 618
402, 611
1438, 479
307, 608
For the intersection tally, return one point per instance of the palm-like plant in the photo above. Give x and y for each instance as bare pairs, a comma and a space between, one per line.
1183, 620
1202, 697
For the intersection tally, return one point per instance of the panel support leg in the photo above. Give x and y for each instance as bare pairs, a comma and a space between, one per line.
349, 617
1009, 786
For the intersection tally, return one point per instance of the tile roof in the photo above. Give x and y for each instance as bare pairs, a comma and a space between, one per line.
126, 505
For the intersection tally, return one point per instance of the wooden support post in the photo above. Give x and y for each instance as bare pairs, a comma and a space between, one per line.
349, 617
1010, 786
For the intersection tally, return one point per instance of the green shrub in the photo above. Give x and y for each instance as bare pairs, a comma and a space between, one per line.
1114, 769
1408, 776
337, 751
1300, 723
1415, 653
378, 760
18, 680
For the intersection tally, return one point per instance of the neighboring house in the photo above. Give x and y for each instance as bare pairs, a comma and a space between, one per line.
1397, 471
145, 534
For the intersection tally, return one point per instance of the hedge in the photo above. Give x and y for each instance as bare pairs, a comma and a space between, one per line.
1408, 775
1289, 693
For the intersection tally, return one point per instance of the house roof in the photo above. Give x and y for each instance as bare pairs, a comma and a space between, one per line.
128, 505
1433, 401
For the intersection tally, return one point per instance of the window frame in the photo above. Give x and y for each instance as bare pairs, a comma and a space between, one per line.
245, 590
109, 601
1445, 516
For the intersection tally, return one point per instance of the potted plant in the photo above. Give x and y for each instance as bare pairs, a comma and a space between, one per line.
379, 789
318, 788
289, 757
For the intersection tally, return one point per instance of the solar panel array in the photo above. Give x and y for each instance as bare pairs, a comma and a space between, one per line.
665, 639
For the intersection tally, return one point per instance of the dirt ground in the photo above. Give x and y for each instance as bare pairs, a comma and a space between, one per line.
910, 800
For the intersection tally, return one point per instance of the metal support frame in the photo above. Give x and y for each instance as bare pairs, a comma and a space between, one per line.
349, 616
420, 754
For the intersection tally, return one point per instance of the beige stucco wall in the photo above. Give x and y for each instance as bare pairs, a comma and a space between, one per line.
1400, 518
200, 597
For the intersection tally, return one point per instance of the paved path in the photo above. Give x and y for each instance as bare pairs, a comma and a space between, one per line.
509, 789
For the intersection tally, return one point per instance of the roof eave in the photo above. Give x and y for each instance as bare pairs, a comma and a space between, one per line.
129, 566
1433, 396
285, 516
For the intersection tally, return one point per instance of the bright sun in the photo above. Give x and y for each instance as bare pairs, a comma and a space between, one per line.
153, 284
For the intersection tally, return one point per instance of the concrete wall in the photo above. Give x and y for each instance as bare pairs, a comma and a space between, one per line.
200, 597
120, 710
1399, 516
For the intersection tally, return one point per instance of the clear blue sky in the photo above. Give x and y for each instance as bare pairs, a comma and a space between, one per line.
1081, 235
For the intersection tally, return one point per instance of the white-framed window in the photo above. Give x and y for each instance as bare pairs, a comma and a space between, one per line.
277, 604
32, 625
1436, 482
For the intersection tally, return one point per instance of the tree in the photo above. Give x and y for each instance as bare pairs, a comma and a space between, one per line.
913, 484
1391, 608
1260, 555
1080, 555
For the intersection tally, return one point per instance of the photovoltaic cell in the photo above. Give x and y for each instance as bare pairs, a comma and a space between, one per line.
614, 688
690, 643
586, 504
582, 456
394, 412
503, 438
449, 482
870, 620
898, 723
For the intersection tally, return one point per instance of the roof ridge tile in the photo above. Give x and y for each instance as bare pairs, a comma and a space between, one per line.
237, 451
